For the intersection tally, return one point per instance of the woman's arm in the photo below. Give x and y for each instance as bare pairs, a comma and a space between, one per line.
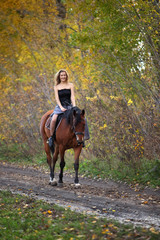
57, 99
72, 96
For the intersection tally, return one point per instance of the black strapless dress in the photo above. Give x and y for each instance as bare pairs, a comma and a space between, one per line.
65, 99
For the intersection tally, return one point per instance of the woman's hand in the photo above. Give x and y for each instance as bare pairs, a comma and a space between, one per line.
63, 109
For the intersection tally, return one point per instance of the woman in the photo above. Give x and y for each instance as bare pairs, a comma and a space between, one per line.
64, 95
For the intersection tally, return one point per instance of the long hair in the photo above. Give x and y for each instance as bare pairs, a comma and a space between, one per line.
57, 76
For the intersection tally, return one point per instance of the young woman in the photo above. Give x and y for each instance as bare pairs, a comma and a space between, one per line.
64, 95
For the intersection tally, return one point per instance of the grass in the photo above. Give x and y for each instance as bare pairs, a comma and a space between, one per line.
25, 218
12, 153
146, 172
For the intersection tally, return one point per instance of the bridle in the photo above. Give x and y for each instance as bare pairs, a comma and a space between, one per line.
77, 138
79, 142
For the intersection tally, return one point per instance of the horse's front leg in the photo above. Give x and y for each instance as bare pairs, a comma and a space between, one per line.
77, 152
53, 181
62, 165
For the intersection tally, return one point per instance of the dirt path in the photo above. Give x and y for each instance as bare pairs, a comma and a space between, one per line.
127, 204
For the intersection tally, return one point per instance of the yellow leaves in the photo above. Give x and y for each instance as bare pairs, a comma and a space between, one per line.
92, 99
130, 102
112, 226
94, 221
71, 229
25, 206
85, 83
50, 212
2, 137
98, 92
19, 211
27, 88
94, 237
103, 127
143, 76
153, 230
68, 229
105, 231
49, 102
49, 222
116, 98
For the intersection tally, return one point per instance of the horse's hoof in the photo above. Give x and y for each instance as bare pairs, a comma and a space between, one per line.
77, 185
60, 184
53, 182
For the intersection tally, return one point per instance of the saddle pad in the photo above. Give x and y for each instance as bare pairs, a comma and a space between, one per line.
48, 122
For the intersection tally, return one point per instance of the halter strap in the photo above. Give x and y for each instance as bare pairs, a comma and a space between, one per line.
78, 133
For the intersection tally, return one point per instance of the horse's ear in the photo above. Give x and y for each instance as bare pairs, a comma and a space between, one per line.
83, 112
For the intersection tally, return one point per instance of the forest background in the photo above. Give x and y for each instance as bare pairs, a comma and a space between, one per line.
111, 49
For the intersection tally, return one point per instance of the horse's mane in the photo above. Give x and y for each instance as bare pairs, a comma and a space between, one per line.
68, 115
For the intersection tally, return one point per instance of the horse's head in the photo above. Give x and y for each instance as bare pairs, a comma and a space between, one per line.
76, 119
79, 125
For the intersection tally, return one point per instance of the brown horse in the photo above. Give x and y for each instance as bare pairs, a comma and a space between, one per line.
69, 134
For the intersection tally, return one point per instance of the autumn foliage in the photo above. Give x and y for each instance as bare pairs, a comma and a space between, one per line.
111, 50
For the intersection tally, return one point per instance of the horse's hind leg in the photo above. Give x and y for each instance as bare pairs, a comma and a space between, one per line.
51, 162
62, 165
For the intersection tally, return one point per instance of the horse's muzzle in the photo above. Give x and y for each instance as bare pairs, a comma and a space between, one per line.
77, 138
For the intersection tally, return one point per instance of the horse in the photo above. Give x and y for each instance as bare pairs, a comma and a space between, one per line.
69, 134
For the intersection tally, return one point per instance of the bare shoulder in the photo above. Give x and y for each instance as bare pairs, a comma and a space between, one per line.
71, 85
55, 88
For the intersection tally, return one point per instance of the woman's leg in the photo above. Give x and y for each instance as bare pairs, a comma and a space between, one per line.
52, 128
53, 124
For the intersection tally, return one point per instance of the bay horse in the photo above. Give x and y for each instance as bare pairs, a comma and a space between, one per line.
69, 134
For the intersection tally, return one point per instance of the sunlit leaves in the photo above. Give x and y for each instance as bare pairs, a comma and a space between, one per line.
111, 51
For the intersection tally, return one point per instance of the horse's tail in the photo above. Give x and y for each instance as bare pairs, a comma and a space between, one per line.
43, 122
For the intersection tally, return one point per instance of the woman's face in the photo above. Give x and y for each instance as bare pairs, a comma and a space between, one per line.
63, 76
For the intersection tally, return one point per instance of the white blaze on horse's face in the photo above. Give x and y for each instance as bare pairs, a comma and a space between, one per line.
79, 129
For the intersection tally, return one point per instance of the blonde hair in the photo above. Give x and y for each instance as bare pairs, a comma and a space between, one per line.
57, 76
